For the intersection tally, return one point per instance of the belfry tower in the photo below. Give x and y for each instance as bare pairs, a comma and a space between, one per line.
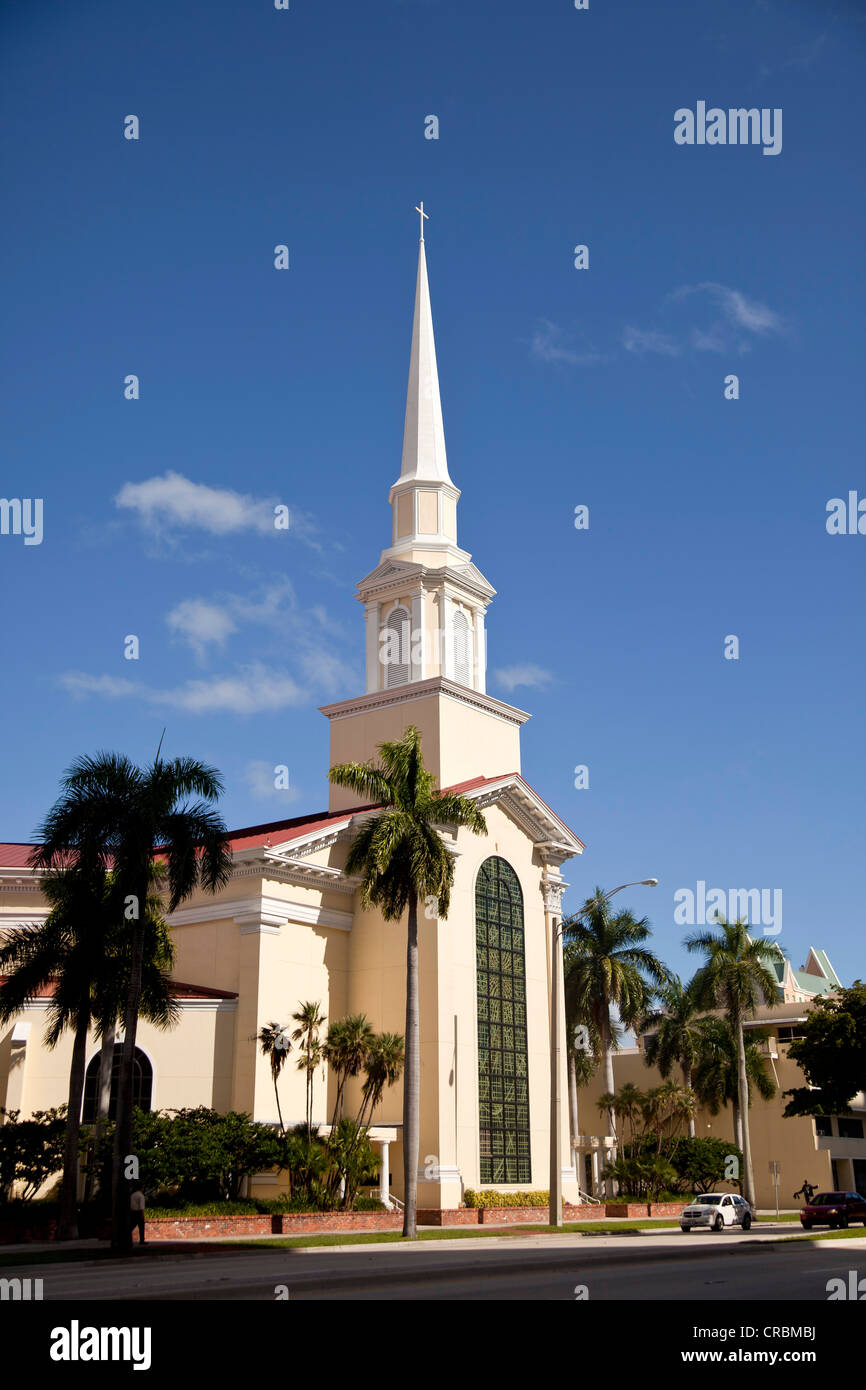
425, 605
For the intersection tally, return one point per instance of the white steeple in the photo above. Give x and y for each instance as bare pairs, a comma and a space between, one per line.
424, 458
424, 499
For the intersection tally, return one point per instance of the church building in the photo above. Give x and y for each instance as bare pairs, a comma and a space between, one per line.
289, 927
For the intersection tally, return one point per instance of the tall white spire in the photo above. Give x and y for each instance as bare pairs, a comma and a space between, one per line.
424, 458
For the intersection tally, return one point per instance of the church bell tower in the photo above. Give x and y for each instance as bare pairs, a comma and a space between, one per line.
425, 606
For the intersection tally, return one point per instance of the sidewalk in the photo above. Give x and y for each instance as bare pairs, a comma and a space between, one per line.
507, 1234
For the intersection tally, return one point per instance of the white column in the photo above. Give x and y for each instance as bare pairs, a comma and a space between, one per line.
447, 611
416, 672
480, 652
384, 1175
373, 665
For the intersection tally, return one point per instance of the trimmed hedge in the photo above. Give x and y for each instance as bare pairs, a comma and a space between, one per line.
505, 1199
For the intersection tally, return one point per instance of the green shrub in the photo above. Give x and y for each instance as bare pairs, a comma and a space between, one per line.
363, 1203
505, 1199
30, 1150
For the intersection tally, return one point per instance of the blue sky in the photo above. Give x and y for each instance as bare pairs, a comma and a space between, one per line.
561, 387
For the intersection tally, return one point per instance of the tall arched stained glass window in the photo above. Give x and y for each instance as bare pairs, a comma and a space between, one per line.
503, 1068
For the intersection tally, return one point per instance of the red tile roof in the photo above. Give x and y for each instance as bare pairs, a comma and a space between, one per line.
280, 832
178, 989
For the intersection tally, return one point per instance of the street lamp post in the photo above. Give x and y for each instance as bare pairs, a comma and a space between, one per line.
556, 1003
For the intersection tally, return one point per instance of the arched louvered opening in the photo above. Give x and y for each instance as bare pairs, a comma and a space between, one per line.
462, 649
396, 648
142, 1084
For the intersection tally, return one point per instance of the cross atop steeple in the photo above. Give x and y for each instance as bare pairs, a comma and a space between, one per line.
425, 216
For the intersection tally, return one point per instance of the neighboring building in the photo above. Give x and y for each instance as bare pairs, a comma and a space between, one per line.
828, 1151
288, 927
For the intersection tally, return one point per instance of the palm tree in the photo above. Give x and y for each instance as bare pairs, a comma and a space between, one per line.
126, 817
400, 856
611, 968
737, 978
158, 1004
275, 1045
309, 1019
383, 1067
347, 1044
674, 1033
716, 1073
77, 950
582, 1042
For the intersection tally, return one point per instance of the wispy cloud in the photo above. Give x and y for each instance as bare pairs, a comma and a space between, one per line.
259, 777
253, 689
738, 309
205, 625
550, 344
510, 677
641, 340
201, 624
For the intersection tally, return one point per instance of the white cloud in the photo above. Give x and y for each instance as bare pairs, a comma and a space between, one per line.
711, 340
253, 689
201, 624
326, 671
510, 677
548, 345
737, 307
175, 501
648, 340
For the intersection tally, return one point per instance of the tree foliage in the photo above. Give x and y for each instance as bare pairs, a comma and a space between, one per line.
832, 1055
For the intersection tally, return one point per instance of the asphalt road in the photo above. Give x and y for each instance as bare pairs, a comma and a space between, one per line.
732, 1267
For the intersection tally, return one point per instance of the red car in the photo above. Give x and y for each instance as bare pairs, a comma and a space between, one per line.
833, 1209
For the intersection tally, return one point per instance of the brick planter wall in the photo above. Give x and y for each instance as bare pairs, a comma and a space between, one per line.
13, 1234
203, 1227
436, 1216
513, 1216
644, 1209
314, 1222
286, 1224
585, 1212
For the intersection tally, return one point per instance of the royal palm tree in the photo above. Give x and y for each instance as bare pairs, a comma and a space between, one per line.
400, 857
275, 1044
610, 968
716, 1072
737, 978
128, 816
674, 1033
310, 1019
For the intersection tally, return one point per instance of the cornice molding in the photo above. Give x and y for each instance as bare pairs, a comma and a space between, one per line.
422, 690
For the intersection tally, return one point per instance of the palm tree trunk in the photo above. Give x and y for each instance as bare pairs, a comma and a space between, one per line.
738, 1128
121, 1229
607, 1045
68, 1225
572, 1100
309, 1094
687, 1082
743, 1099
277, 1094
103, 1097
411, 1078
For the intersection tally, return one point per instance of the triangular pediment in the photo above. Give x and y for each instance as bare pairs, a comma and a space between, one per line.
389, 570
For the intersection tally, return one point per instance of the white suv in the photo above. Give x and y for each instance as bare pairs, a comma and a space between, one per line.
716, 1210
